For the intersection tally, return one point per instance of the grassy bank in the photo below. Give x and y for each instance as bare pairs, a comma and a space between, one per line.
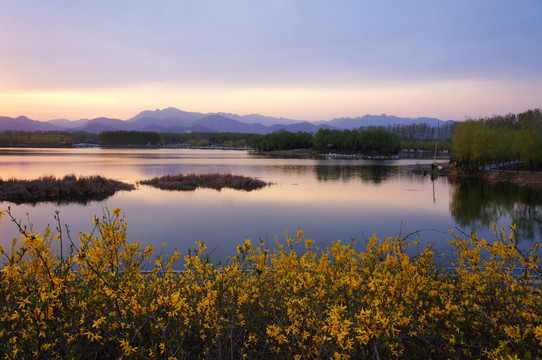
213, 181
109, 298
50, 188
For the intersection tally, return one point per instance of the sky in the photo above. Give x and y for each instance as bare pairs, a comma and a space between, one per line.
300, 59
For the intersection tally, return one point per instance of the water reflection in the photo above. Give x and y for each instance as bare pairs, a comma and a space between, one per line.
476, 205
328, 199
371, 174
61, 201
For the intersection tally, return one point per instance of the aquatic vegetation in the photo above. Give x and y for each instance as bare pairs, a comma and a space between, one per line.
215, 181
50, 188
105, 297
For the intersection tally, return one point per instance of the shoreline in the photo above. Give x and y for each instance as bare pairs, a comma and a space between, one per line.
528, 179
334, 155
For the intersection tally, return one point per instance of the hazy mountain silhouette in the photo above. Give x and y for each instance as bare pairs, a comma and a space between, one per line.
170, 114
261, 119
175, 120
68, 124
379, 120
224, 124
25, 124
103, 124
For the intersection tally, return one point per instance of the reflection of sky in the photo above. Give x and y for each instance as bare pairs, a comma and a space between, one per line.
349, 204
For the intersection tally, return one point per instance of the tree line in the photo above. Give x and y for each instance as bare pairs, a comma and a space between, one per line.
423, 132
206, 139
383, 139
424, 137
386, 140
142, 138
376, 140
45, 138
500, 139
129, 138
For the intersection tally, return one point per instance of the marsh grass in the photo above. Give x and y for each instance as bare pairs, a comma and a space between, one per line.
69, 188
215, 181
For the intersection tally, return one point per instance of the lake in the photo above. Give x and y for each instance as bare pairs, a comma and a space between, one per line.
329, 199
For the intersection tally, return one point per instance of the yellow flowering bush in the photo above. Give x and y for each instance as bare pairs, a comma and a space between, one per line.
100, 296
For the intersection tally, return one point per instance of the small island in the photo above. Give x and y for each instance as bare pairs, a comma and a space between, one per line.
68, 189
190, 182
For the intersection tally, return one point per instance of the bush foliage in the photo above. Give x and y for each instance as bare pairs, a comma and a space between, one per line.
108, 298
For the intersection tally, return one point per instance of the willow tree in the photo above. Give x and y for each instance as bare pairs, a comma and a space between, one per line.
463, 140
500, 139
529, 143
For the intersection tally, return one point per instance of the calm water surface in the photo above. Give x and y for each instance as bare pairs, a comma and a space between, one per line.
329, 199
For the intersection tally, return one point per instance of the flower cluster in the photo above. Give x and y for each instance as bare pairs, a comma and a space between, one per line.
104, 297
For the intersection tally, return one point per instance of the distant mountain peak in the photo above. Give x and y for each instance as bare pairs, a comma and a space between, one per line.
171, 119
169, 112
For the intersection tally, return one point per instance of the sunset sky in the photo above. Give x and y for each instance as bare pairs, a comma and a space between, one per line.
306, 60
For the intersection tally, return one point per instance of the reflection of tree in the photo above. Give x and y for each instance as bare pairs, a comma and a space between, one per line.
474, 205
375, 174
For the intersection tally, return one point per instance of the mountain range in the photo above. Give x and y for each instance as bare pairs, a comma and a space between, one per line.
179, 121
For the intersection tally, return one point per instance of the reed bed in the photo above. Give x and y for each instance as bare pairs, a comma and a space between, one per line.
48, 188
190, 182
